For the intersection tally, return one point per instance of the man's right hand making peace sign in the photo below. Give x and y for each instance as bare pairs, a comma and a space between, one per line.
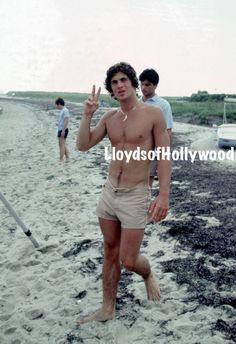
91, 104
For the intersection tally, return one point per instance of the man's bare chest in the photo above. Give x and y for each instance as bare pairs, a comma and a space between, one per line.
129, 131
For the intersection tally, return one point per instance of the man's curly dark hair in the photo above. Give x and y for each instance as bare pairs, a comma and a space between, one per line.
125, 68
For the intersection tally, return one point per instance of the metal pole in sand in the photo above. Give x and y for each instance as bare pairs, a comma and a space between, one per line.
18, 220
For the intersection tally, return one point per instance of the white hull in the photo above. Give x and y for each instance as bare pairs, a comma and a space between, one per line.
227, 135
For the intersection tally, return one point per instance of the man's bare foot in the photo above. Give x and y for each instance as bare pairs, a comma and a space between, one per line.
100, 315
153, 290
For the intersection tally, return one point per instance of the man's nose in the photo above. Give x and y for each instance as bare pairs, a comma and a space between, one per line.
119, 83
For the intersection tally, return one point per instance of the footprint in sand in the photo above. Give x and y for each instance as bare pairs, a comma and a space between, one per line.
6, 317
58, 273
32, 263
6, 309
39, 285
16, 341
10, 331
47, 248
14, 267
34, 314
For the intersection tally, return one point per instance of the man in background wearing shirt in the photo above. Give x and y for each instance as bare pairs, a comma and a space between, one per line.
149, 80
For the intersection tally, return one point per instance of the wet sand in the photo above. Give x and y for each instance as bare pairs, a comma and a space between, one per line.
43, 292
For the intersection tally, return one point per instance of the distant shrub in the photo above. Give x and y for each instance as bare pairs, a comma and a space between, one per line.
204, 96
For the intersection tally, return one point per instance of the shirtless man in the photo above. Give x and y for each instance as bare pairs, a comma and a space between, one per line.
124, 206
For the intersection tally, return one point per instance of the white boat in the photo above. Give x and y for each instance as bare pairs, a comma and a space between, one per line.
226, 135
226, 132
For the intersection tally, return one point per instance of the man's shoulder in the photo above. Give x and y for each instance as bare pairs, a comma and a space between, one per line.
160, 101
151, 110
108, 114
111, 112
65, 111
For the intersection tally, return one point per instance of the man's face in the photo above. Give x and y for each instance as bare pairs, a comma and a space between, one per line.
59, 106
148, 89
121, 86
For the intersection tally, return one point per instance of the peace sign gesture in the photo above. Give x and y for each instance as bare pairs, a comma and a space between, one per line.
91, 104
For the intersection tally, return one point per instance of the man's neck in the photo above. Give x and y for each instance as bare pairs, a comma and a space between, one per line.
148, 97
129, 103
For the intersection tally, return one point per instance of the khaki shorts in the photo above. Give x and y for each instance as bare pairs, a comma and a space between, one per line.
127, 205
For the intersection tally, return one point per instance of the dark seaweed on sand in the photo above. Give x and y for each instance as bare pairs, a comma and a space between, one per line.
209, 192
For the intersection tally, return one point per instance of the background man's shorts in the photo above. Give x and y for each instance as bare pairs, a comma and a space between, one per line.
66, 133
127, 205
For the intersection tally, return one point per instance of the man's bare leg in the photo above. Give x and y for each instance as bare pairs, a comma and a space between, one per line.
66, 152
62, 148
131, 240
142, 268
111, 272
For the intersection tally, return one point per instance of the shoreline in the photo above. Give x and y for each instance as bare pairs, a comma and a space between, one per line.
48, 104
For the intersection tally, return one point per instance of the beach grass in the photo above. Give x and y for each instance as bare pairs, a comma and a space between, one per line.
180, 105
202, 109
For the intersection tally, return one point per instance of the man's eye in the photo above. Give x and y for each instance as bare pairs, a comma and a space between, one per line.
114, 82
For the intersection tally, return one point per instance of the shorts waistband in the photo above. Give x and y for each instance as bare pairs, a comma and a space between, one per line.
126, 190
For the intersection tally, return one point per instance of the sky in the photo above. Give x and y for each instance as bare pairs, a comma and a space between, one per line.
68, 45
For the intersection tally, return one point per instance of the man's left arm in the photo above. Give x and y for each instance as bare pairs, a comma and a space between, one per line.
170, 135
169, 119
160, 205
66, 123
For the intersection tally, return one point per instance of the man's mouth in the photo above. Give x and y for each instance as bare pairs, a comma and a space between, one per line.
120, 93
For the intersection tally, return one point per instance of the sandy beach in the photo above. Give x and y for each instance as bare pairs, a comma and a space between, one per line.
43, 291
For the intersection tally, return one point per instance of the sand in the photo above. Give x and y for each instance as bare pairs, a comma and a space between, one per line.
43, 292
